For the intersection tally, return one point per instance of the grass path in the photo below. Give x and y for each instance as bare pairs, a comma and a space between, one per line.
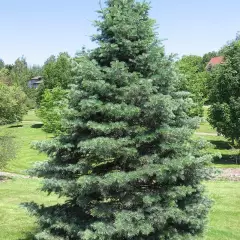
26, 132
205, 134
224, 218
10, 175
219, 145
15, 222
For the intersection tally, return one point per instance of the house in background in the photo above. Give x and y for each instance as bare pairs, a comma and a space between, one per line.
35, 81
214, 61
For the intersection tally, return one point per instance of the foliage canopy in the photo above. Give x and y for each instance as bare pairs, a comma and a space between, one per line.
12, 104
51, 109
194, 80
56, 74
224, 85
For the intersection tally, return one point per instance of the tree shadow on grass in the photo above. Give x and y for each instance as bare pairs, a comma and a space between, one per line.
222, 145
4, 178
37, 125
232, 158
28, 236
227, 159
16, 126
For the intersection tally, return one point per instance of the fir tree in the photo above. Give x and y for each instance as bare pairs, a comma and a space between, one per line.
126, 166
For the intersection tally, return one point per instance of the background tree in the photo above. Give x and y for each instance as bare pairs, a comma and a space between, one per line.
1, 64
12, 104
32, 93
5, 77
20, 73
9, 66
56, 73
224, 85
51, 109
207, 57
126, 164
51, 94
36, 70
194, 80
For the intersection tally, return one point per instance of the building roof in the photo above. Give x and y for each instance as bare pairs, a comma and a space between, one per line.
38, 82
216, 60
36, 78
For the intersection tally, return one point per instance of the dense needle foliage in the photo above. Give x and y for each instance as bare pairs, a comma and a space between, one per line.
126, 166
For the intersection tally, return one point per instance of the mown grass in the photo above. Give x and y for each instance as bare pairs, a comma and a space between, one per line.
25, 133
15, 221
16, 224
220, 145
30, 130
224, 218
205, 127
31, 116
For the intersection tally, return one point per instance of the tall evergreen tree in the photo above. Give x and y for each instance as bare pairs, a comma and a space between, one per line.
126, 165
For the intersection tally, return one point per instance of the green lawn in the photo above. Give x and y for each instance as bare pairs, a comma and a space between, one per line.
31, 116
29, 130
205, 127
16, 224
25, 133
220, 145
225, 215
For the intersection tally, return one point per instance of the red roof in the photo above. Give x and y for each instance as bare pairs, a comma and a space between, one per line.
216, 60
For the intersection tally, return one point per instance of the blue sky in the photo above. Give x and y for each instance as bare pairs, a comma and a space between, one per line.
37, 29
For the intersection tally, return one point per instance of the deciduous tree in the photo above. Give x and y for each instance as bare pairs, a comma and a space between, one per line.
51, 109
12, 104
56, 73
194, 80
224, 85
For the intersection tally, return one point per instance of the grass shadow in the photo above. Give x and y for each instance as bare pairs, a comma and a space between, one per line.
221, 145
16, 126
232, 159
4, 178
28, 236
37, 125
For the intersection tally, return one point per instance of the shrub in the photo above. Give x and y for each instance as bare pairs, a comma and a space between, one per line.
12, 104
51, 109
8, 148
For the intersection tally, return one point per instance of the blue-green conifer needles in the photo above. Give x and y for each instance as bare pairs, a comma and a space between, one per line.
126, 167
